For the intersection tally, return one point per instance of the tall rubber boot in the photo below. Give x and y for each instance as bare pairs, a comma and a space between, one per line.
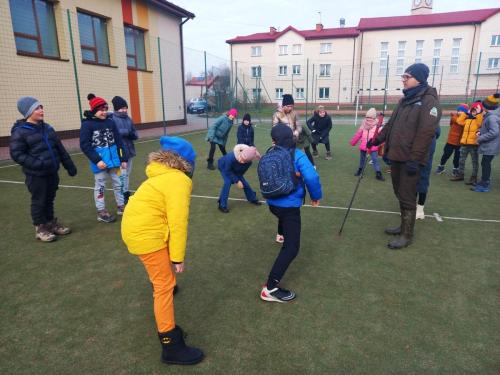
175, 351
394, 231
407, 225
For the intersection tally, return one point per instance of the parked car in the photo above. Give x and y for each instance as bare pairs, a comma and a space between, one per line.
198, 106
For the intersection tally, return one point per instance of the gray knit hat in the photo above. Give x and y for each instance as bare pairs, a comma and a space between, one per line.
26, 105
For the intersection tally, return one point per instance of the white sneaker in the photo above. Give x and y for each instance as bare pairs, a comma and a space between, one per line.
420, 212
276, 295
280, 238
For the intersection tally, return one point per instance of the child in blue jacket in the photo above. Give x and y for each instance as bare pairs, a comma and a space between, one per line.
100, 141
287, 210
232, 167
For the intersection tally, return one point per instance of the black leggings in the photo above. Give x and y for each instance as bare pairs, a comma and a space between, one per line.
327, 146
447, 151
307, 151
289, 226
486, 167
212, 151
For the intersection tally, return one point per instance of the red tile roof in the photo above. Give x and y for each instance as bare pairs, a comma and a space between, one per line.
427, 20
200, 81
378, 23
339, 32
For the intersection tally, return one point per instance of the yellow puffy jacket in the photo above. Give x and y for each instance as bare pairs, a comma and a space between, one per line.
471, 126
156, 216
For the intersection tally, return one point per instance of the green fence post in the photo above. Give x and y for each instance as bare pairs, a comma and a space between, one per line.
74, 65
477, 76
206, 85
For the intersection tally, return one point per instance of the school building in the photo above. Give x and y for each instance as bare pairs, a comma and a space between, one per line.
59, 51
333, 65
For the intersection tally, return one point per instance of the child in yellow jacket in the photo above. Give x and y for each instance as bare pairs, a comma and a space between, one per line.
471, 122
154, 227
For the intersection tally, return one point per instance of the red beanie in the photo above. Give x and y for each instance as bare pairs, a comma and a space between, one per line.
95, 102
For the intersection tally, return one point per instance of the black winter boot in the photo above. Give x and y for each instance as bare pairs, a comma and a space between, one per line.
175, 351
126, 197
210, 165
379, 176
358, 172
407, 225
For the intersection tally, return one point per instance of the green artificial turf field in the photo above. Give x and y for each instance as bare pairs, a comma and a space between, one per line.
83, 304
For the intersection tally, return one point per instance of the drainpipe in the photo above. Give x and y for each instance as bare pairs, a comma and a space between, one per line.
470, 64
182, 69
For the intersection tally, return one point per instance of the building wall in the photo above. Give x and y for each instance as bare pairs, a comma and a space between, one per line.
53, 81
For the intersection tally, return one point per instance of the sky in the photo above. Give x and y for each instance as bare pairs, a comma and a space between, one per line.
219, 20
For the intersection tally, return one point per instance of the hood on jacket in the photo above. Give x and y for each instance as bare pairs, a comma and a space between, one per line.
369, 123
160, 161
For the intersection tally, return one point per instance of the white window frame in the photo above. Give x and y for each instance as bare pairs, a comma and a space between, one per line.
495, 41
296, 70
324, 93
256, 71
325, 48
455, 55
419, 50
256, 51
400, 61
436, 56
299, 93
494, 63
325, 70
384, 53
283, 70
297, 49
279, 93
283, 49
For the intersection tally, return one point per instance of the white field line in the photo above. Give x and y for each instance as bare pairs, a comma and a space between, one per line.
145, 141
306, 205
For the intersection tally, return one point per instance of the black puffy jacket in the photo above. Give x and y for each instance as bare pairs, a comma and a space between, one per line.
38, 149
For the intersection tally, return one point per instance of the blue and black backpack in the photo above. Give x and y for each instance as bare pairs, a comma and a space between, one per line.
276, 172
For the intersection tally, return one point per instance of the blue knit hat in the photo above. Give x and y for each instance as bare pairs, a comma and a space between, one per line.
27, 105
418, 71
180, 146
462, 107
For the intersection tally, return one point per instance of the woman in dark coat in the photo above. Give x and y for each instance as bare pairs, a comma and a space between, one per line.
320, 124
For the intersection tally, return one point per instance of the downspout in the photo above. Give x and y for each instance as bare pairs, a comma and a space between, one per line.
231, 71
182, 69
360, 58
470, 64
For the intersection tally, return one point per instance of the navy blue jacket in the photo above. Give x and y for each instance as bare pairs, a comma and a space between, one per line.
232, 168
38, 149
245, 135
100, 140
127, 131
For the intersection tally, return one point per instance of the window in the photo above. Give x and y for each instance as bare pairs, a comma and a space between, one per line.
256, 51
400, 62
455, 55
93, 38
296, 69
384, 53
284, 50
324, 70
493, 63
34, 27
495, 39
283, 70
256, 94
134, 44
299, 93
324, 92
419, 51
256, 71
297, 49
325, 48
279, 93
436, 56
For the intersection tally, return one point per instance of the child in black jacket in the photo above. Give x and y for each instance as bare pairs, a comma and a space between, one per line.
320, 125
245, 134
35, 145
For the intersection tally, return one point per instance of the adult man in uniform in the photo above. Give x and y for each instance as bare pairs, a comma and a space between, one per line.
408, 136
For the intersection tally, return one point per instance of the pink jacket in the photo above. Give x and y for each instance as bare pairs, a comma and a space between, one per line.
365, 132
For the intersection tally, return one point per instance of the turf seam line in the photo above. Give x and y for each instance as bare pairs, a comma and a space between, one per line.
305, 205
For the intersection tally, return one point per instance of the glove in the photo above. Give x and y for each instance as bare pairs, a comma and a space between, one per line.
72, 171
411, 167
370, 144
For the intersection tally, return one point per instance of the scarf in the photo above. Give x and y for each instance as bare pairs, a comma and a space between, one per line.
410, 94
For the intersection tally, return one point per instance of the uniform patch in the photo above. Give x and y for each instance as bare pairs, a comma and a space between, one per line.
434, 112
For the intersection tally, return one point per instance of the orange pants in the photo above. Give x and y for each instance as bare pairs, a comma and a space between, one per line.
161, 275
